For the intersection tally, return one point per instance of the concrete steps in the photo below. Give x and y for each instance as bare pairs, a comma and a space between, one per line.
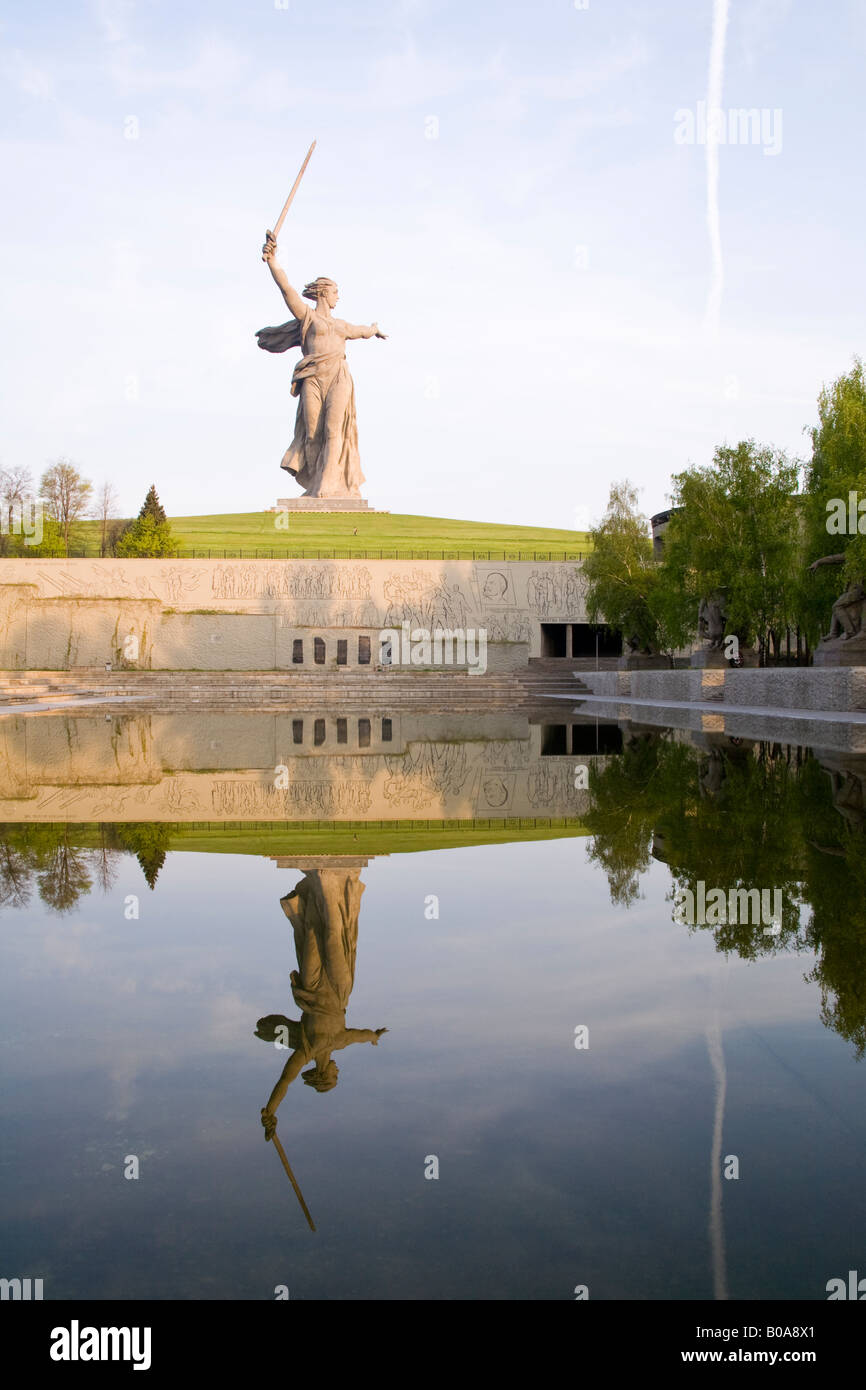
377, 689
566, 664
550, 678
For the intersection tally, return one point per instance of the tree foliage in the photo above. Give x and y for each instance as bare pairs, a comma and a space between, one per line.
146, 538
152, 505
104, 511
735, 532
837, 468
150, 534
19, 518
66, 495
148, 842
51, 859
737, 815
622, 574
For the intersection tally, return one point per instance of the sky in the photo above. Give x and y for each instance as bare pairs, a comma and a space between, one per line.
580, 281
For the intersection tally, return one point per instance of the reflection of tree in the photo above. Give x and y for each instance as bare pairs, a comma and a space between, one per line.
754, 816
16, 872
835, 866
63, 875
106, 857
742, 832
627, 798
148, 842
45, 857
837, 933
61, 861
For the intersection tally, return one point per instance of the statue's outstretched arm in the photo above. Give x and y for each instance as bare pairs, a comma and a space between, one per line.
290, 294
356, 1035
827, 560
363, 330
290, 1071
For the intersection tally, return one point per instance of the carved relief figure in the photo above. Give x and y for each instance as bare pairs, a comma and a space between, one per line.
428, 770
291, 581
180, 582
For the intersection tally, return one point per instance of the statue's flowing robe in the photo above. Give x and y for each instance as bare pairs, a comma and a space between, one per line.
306, 464
323, 910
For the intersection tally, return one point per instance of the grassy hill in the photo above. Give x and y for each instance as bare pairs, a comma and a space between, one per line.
356, 837
333, 534
347, 838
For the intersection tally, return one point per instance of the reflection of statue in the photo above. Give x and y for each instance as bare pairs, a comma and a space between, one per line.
323, 455
848, 795
323, 910
712, 773
711, 622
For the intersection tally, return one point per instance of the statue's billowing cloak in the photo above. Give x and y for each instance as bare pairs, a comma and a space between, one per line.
281, 338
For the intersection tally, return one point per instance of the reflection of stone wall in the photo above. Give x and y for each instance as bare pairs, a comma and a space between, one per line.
246, 614
298, 766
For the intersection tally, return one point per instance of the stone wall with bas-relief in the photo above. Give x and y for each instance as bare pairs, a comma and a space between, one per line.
249, 614
298, 766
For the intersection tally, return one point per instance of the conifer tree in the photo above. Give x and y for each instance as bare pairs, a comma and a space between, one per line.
152, 505
149, 535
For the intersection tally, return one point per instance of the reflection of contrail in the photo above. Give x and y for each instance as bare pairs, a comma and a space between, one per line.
714, 101
717, 1227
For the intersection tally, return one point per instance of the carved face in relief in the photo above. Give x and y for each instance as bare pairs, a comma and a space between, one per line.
495, 585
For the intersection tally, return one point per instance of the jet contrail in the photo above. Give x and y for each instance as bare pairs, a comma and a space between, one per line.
717, 1223
714, 101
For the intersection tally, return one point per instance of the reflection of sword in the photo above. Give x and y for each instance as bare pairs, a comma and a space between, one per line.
288, 203
285, 1162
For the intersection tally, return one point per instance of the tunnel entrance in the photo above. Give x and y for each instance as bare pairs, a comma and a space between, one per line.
568, 640
561, 740
554, 639
583, 637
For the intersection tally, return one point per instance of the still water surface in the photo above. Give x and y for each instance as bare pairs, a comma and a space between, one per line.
558, 1164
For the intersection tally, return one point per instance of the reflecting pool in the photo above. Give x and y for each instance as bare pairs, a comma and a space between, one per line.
429, 1006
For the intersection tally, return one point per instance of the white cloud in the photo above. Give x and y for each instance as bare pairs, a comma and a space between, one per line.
24, 75
217, 65
112, 17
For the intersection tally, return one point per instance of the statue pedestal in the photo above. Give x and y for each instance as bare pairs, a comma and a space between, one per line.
842, 651
704, 660
643, 661
717, 661
325, 504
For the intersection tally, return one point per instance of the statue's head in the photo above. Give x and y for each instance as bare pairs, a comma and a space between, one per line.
322, 288
323, 1076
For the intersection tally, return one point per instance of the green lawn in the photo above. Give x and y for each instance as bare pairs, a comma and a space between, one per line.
366, 839
333, 534
358, 838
